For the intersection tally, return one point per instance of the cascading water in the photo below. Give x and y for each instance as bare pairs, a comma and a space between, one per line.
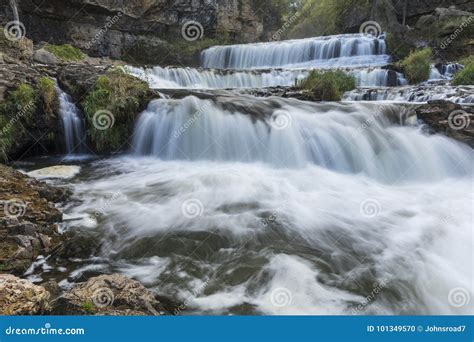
444, 71
175, 78
242, 197
342, 50
72, 125
226, 201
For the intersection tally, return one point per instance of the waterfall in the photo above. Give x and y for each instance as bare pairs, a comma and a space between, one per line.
293, 134
413, 94
331, 51
444, 71
175, 78
170, 78
72, 125
14, 8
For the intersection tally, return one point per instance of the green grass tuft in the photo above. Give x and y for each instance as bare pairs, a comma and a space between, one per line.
65, 52
122, 95
328, 85
466, 75
416, 66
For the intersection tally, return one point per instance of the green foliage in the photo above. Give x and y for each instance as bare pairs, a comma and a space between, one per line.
416, 66
88, 307
323, 17
328, 85
19, 107
48, 96
466, 60
397, 45
123, 96
65, 52
466, 75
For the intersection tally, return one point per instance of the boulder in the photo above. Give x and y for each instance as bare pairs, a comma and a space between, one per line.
21, 297
45, 57
28, 219
111, 294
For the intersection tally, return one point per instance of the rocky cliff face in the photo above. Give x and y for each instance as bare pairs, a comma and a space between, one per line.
138, 30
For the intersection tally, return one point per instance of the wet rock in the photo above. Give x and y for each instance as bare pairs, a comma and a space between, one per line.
21, 297
448, 118
28, 219
45, 57
58, 171
108, 295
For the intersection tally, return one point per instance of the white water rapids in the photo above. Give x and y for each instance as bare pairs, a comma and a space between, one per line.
247, 206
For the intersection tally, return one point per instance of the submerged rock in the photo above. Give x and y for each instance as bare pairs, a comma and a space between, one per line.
22, 297
58, 171
108, 295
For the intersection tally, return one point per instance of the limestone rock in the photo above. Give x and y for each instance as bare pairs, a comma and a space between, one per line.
45, 57
21, 297
108, 295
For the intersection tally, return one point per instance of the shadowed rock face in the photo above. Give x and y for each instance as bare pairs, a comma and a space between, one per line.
28, 220
136, 29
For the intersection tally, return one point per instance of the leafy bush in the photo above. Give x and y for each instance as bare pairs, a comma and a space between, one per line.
417, 65
19, 106
48, 96
119, 97
65, 52
466, 75
328, 85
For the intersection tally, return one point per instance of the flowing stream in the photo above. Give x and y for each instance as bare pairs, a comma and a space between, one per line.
72, 125
241, 205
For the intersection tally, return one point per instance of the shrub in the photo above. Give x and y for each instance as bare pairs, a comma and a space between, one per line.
417, 65
19, 106
65, 52
48, 96
119, 98
466, 75
328, 85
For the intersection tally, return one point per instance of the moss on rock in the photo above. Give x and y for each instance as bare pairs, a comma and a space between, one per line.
416, 66
65, 52
328, 85
111, 108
